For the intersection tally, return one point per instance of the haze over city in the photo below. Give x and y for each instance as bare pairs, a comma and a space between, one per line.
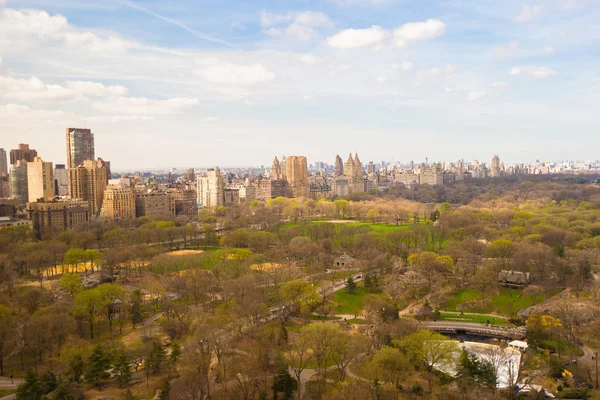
181, 84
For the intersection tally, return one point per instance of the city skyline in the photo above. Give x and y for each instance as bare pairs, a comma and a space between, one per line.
231, 84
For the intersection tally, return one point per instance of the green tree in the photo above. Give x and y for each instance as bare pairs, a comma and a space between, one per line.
128, 395
394, 365
350, 285
97, 366
155, 356
5, 328
87, 304
473, 371
30, 389
300, 293
111, 295
342, 207
284, 383
71, 282
122, 369
135, 310
164, 390
175, 353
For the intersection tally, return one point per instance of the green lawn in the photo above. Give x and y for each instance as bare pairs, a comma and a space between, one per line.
506, 301
354, 303
480, 319
376, 227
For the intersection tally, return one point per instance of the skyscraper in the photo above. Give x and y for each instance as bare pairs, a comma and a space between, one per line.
80, 146
3, 162
210, 189
87, 182
61, 180
23, 153
296, 172
40, 180
18, 182
495, 170
339, 166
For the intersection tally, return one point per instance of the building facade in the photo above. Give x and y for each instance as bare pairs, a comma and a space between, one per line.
118, 203
296, 172
3, 162
210, 189
57, 216
61, 180
18, 182
80, 146
40, 180
87, 182
154, 205
185, 202
23, 153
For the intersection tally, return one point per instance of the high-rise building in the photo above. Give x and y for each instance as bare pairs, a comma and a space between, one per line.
118, 203
190, 175
185, 202
18, 182
296, 172
40, 180
210, 189
80, 146
154, 205
495, 170
278, 169
3, 162
57, 216
61, 180
4, 186
23, 153
87, 182
339, 166
106, 165
371, 168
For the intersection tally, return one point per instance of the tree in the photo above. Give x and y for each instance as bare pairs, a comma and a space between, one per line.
135, 310
284, 383
5, 328
30, 389
342, 207
122, 369
71, 282
300, 293
350, 285
473, 371
110, 297
393, 363
299, 354
97, 366
87, 304
175, 353
155, 356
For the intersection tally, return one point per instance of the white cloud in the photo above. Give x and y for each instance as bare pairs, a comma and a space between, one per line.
336, 69
499, 84
309, 59
354, 38
474, 96
300, 25
418, 31
548, 50
534, 71
33, 89
21, 112
380, 79
120, 118
96, 89
307, 98
210, 119
215, 70
19, 27
507, 51
404, 66
528, 13
144, 106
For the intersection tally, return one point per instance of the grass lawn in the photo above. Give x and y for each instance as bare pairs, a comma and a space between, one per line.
376, 227
481, 319
354, 303
6, 392
506, 301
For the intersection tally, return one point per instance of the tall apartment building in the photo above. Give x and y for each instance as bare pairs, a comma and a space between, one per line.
185, 202
80, 146
61, 180
40, 180
19, 190
23, 153
87, 182
154, 205
118, 203
4, 186
495, 168
57, 216
3, 162
296, 172
210, 189
231, 197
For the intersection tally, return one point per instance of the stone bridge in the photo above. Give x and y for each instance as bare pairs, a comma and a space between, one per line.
472, 328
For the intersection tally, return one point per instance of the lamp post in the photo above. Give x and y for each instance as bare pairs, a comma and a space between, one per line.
595, 357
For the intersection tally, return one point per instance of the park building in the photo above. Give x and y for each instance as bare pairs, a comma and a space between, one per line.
58, 215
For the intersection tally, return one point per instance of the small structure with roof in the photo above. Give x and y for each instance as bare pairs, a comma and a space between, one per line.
518, 345
513, 278
344, 262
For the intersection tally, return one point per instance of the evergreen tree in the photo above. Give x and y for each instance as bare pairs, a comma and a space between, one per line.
350, 285
128, 395
135, 310
31, 389
67, 390
98, 363
175, 353
155, 357
164, 390
284, 383
122, 369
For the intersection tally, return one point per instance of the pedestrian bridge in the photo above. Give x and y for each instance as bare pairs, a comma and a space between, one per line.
472, 328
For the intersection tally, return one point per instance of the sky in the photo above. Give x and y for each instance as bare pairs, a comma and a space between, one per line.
235, 82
